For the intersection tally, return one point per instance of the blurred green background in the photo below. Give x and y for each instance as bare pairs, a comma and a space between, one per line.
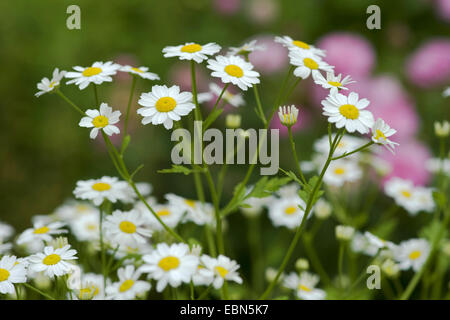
44, 152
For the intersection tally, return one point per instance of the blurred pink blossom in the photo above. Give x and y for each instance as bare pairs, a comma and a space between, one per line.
273, 59
429, 65
442, 8
408, 162
227, 7
180, 75
351, 54
263, 11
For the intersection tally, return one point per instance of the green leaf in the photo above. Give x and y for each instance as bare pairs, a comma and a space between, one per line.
125, 143
180, 169
440, 199
265, 186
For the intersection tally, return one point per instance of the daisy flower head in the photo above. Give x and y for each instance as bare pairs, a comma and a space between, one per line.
348, 112
347, 144
361, 244
6, 231
412, 253
126, 227
141, 72
98, 190
380, 133
437, 165
378, 242
171, 265
89, 287
246, 49
404, 194
102, 119
341, 171
129, 286
87, 227
47, 85
216, 270
72, 210
286, 212
304, 285
171, 215
235, 70
53, 262
196, 211
332, 81
307, 64
11, 272
164, 105
234, 99
98, 73
344, 232
41, 232
192, 51
288, 115
298, 45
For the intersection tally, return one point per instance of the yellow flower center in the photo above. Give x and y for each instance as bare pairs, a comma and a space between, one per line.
339, 171
300, 44
406, 193
304, 288
165, 104
190, 203
163, 213
100, 121
91, 226
221, 271
191, 48
310, 63
4, 274
234, 70
51, 259
126, 285
349, 111
379, 135
52, 84
91, 71
415, 255
169, 263
82, 208
88, 292
42, 230
290, 210
335, 83
137, 70
101, 186
127, 227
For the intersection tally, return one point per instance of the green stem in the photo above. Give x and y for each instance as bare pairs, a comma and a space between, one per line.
340, 263
258, 103
73, 105
38, 291
96, 95
130, 100
204, 293
354, 151
294, 153
102, 246
315, 261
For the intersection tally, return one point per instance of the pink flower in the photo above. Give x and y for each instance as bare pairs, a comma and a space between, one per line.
430, 64
408, 162
351, 54
263, 11
180, 74
442, 8
227, 7
273, 59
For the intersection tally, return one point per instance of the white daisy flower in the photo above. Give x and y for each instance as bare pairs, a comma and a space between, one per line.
6, 231
361, 243
286, 212
425, 199
102, 119
47, 85
344, 232
169, 214
144, 188
332, 81
129, 286
165, 105
192, 51
87, 227
135, 249
442, 129
246, 49
446, 92
304, 286
126, 228
380, 133
378, 242
436, 165
348, 112
11, 272
288, 115
5, 248
289, 190
256, 205
341, 171
54, 262
172, 265
234, 99
41, 232
89, 287
412, 253
291, 44
141, 72
216, 270
307, 63
98, 190
196, 211
98, 73
322, 209
404, 194
72, 210
235, 70
347, 144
